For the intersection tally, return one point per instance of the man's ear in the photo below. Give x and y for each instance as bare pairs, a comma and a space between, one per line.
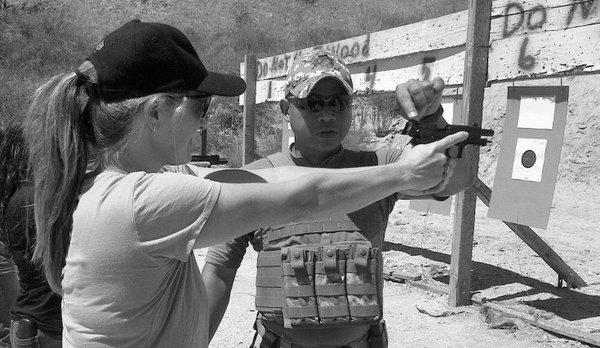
284, 105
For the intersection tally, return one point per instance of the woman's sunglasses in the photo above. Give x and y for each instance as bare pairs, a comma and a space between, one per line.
336, 103
201, 105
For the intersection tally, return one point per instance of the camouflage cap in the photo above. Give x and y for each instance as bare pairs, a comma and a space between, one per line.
310, 68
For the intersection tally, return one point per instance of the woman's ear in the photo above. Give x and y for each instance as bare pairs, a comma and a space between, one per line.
152, 117
284, 105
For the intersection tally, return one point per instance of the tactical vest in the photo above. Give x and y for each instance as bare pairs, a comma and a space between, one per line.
327, 273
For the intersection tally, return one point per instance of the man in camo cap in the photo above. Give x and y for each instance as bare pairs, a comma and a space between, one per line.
301, 299
312, 67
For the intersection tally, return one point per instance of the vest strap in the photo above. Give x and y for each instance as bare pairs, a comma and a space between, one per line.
344, 224
269, 258
336, 311
278, 159
361, 289
299, 291
268, 300
364, 311
301, 312
268, 281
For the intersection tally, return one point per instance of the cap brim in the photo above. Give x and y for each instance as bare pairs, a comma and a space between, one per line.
303, 89
222, 84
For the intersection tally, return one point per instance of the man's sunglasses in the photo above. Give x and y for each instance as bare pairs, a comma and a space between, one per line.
336, 103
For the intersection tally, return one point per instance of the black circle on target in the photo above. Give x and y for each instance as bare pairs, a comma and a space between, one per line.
528, 158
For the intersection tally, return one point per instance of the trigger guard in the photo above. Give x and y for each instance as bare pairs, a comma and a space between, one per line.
453, 152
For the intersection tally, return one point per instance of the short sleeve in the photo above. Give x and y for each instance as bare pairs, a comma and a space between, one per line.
170, 210
229, 254
388, 155
185, 169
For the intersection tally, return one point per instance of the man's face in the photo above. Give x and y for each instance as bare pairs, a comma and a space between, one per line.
322, 130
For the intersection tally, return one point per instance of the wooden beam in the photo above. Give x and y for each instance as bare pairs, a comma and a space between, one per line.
475, 78
248, 151
536, 243
555, 325
499, 6
528, 39
429, 35
383, 75
544, 20
546, 54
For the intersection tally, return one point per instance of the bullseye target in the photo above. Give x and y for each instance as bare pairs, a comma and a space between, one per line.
529, 159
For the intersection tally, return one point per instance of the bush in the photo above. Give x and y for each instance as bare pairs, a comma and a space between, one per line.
35, 43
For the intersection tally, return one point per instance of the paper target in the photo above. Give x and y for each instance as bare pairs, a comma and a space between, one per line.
530, 150
529, 159
537, 112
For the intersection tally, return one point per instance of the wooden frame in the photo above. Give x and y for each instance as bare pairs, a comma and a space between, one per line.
493, 41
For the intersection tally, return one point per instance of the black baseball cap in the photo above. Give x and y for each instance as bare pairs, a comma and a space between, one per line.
139, 59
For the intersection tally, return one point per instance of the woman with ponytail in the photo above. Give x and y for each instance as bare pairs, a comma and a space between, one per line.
35, 315
116, 232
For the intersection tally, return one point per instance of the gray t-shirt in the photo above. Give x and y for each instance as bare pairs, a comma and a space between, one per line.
131, 279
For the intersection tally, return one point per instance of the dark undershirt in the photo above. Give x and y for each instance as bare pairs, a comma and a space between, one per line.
36, 300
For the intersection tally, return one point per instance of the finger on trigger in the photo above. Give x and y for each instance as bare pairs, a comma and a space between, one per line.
451, 140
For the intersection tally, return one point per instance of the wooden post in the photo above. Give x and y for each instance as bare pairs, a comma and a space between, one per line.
248, 152
475, 78
204, 137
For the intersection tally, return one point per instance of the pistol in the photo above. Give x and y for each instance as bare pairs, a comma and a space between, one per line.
422, 133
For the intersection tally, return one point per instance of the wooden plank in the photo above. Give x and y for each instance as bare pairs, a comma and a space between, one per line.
430, 35
540, 19
573, 50
386, 75
536, 243
544, 54
248, 151
556, 325
475, 67
430, 285
500, 7
243, 75
558, 37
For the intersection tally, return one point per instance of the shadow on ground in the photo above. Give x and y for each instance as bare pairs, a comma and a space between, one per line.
568, 304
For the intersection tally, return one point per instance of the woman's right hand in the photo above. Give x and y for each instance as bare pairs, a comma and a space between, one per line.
426, 166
